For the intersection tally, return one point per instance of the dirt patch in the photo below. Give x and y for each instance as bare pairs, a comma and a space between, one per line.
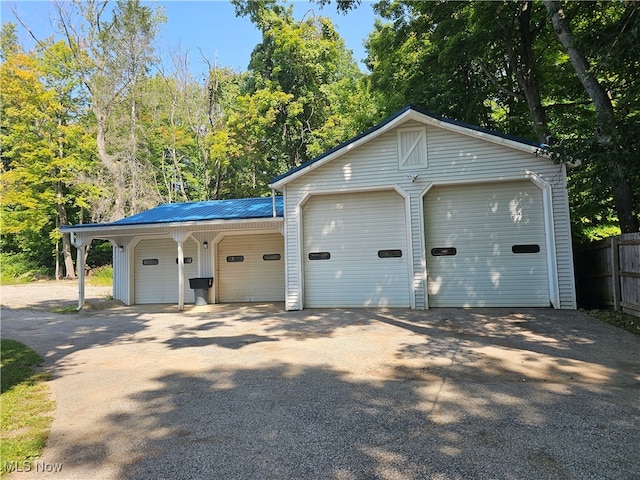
58, 296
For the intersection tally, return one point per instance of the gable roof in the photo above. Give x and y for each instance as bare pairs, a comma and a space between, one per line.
210, 210
410, 112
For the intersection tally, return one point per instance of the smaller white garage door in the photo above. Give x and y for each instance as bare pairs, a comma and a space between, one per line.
355, 250
251, 268
156, 270
486, 246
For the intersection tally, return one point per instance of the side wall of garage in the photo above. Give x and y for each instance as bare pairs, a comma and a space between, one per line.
388, 161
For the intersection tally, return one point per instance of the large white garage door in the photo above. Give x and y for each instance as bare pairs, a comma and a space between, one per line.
355, 250
156, 270
486, 246
251, 268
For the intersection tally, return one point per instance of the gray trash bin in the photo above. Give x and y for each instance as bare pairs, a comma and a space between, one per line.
200, 287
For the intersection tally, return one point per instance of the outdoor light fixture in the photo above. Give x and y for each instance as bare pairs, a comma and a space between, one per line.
205, 244
121, 248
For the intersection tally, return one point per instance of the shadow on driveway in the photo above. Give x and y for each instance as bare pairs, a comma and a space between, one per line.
252, 391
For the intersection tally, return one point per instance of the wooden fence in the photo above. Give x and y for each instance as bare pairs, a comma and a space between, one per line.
608, 273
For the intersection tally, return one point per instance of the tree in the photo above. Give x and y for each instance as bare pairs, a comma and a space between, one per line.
112, 56
496, 63
296, 74
45, 149
605, 123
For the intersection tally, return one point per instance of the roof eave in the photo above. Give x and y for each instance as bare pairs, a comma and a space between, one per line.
114, 229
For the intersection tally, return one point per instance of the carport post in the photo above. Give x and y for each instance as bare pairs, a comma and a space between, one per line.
80, 268
80, 241
180, 276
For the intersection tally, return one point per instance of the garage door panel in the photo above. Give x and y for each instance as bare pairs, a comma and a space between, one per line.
353, 228
156, 271
483, 223
254, 279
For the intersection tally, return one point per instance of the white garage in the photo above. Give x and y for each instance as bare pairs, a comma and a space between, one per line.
419, 211
422, 211
355, 250
486, 246
251, 268
156, 270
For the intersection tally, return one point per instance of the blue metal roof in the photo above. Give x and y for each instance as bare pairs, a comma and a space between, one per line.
393, 117
236, 209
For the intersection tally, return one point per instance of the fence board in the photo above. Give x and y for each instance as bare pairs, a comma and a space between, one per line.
608, 273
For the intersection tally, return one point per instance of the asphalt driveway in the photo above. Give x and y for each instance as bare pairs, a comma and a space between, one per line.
251, 391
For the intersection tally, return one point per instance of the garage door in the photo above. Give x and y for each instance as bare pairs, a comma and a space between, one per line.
355, 251
251, 268
156, 270
486, 246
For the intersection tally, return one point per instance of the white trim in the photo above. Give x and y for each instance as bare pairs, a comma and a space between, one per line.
423, 244
409, 243
198, 226
552, 263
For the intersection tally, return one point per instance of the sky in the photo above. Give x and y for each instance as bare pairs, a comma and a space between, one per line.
205, 28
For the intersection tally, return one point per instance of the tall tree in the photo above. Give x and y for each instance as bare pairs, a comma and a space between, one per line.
496, 63
296, 73
45, 147
605, 120
112, 55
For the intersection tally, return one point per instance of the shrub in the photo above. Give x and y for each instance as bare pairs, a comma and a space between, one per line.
17, 268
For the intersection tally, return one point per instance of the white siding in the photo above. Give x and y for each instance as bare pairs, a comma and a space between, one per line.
482, 222
254, 279
159, 283
452, 158
352, 229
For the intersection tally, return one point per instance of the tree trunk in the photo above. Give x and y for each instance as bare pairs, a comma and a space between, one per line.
526, 75
66, 237
111, 164
623, 196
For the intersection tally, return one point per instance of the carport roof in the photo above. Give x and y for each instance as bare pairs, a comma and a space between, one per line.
235, 209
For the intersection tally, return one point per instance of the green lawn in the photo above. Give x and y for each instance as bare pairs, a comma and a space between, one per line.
27, 408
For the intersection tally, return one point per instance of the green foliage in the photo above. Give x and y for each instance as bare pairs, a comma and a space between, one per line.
304, 95
19, 268
90, 131
500, 65
26, 412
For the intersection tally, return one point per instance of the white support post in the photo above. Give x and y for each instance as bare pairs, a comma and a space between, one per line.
274, 211
80, 250
180, 276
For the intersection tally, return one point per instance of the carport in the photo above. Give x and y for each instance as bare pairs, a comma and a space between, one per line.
157, 251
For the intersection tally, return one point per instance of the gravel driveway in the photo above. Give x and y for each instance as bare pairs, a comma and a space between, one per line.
250, 391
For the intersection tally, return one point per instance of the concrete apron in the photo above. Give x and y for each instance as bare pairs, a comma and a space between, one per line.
251, 391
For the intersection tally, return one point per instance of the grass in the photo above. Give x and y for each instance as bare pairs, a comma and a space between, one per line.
619, 319
101, 277
27, 408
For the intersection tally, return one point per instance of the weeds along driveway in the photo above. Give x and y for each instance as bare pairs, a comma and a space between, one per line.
251, 391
